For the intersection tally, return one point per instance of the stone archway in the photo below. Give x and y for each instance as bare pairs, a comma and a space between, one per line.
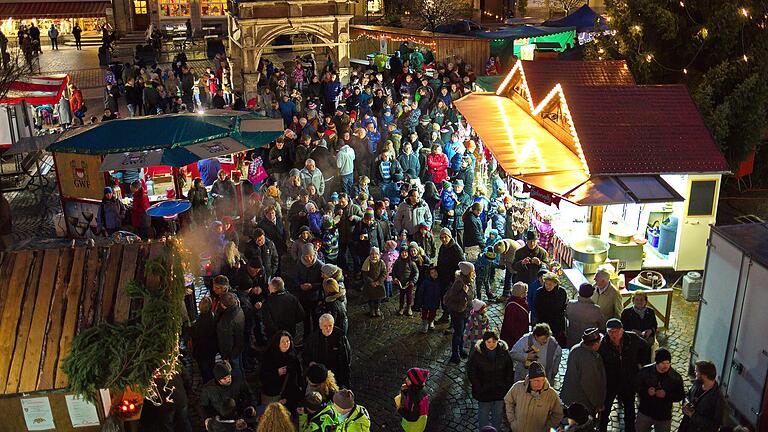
256, 25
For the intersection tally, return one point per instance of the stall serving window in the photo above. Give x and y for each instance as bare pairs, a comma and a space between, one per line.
213, 8
174, 8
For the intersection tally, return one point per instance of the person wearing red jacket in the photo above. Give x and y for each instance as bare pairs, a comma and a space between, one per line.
515, 323
76, 103
437, 165
139, 218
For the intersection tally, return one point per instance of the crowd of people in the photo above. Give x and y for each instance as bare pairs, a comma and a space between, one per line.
379, 187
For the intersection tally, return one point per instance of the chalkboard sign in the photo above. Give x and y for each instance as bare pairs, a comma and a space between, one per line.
702, 199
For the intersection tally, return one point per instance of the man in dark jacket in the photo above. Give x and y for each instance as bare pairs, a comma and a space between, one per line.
528, 259
281, 310
251, 284
328, 346
279, 159
704, 405
349, 215
623, 353
263, 248
216, 393
585, 381
309, 281
448, 258
491, 373
463, 202
275, 230
230, 331
133, 97
658, 388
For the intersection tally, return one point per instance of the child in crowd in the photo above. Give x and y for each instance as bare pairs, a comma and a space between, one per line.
448, 200
485, 267
429, 300
330, 240
315, 219
413, 401
362, 186
478, 322
405, 273
389, 257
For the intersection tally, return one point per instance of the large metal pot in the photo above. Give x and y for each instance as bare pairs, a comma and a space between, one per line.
620, 234
590, 250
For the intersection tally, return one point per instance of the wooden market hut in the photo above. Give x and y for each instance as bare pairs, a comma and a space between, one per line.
367, 39
46, 298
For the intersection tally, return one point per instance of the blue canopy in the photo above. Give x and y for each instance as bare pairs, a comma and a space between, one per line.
169, 132
521, 32
584, 19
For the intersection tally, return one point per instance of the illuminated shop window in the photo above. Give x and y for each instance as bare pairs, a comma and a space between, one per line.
174, 8
213, 8
140, 7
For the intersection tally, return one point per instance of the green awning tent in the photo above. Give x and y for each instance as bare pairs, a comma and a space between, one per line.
506, 42
489, 83
180, 137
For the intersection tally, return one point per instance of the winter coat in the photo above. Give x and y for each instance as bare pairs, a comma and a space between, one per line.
336, 306
458, 298
477, 325
491, 377
358, 420
550, 308
609, 301
213, 396
374, 276
345, 160
622, 363
429, 297
332, 351
314, 177
515, 323
530, 412
410, 164
414, 410
448, 259
582, 314
548, 355
410, 216
672, 384
530, 272
230, 331
204, 343
633, 322
224, 196
709, 409
367, 236
321, 421
405, 272
311, 275
427, 243
507, 248
266, 253
287, 386
111, 213
463, 201
76, 101
283, 165
281, 311
139, 216
276, 233
473, 231
437, 166
65, 112
585, 380
467, 175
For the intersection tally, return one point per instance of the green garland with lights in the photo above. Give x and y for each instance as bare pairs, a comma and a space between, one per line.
117, 356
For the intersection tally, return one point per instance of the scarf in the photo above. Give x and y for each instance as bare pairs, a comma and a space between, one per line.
640, 312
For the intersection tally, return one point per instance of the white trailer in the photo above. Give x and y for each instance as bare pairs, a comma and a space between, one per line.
732, 325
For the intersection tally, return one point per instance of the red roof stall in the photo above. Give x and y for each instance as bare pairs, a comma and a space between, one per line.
642, 183
17, 113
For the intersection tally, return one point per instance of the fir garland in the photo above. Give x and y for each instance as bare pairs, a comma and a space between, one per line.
117, 356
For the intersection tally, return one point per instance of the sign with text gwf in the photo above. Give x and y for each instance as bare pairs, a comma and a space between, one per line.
79, 175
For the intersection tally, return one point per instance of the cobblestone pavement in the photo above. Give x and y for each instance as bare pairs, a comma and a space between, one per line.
33, 212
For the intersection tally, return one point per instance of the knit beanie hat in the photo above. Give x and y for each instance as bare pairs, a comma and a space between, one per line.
447, 232
390, 245
317, 373
489, 253
662, 354
330, 270
222, 370
466, 267
413, 245
446, 184
417, 376
477, 304
520, 289
344, 399
500, 247
578, 413
368, 214
423, 226
586, 290
313, 401
536, 370
327, 222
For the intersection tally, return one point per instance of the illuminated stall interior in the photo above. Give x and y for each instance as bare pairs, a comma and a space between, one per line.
599, 157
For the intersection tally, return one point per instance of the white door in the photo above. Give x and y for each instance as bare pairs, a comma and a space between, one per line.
749, 367
700, 209
718, 299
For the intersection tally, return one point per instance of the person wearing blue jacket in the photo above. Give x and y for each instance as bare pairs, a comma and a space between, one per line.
111, 213
287, 110
429, 299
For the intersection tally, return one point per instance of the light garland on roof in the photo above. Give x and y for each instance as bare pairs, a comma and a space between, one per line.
558, 90
508, 78
397, 38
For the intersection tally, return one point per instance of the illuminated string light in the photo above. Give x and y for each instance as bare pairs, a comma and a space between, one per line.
745, 12
397, 38
648, 57
746, 59
682, 4
685, 71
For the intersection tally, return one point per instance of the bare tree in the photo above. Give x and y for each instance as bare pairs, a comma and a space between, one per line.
432, 13
15, 65
566, 5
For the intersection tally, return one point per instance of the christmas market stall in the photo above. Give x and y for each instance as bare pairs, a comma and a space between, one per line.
87, 332
523, 42
161, 151
612, 175
368, 42
587, 22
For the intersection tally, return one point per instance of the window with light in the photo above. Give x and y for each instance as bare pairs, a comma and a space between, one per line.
140, 7
174, 8
213, 8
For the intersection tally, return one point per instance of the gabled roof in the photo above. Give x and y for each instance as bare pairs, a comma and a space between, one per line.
641, 130
542, 76
584, 19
